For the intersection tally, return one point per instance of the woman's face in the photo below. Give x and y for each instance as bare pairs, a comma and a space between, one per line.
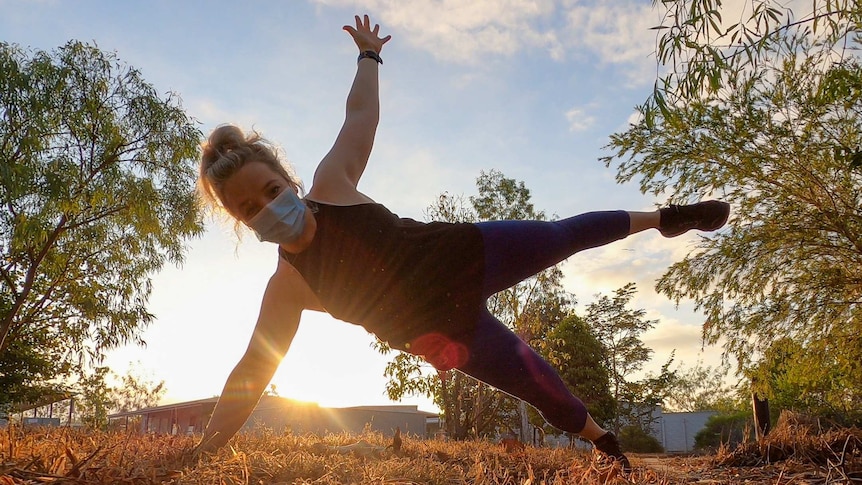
251, 188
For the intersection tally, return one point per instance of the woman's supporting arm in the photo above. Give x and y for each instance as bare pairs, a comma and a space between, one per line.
276, 326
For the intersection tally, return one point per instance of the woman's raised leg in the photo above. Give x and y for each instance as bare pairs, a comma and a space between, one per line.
516, 250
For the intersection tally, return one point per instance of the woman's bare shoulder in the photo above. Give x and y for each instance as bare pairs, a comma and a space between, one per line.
332, 186
331, 196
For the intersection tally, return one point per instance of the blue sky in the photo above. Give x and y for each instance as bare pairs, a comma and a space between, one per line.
530, 88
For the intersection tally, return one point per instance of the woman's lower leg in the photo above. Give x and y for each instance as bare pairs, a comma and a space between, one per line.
592, 431
499, 358
641, 221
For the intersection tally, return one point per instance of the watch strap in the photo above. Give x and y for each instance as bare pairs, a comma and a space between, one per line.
371, 55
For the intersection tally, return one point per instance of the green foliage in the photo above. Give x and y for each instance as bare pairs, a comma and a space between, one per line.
704, 388
813, 379
619, 328
97, 397
634, 439
729, 429
30, 360
777, 144
573, 348
708, 46
638, 401
97, 186
502, 198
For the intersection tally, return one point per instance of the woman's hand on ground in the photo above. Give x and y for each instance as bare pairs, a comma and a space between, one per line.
366, 37
206, 445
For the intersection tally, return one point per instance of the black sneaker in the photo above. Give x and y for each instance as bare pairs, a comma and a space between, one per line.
703, 216
610, 446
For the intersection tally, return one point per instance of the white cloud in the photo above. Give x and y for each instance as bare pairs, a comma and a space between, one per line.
579, 120
683, 339
634, 118
465, 31
642, 259
617, 32
211, 109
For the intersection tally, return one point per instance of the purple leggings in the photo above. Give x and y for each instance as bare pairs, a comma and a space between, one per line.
514, 251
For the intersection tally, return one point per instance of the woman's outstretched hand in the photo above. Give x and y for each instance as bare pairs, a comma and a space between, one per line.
366, 38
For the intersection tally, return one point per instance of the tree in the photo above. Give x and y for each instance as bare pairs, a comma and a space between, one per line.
707, 47
530, 308
765, 112
137, 392
729, 429
639, 399
97, 399
574, 349
704, 388
808, 378
97, 185
619, 328
26, 368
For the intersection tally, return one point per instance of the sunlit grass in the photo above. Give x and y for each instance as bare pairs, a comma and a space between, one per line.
72, 456
68, 456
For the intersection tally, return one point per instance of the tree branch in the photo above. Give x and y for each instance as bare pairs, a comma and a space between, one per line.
6, 323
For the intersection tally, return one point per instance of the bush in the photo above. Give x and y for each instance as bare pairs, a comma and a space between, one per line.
635, 440
731, 429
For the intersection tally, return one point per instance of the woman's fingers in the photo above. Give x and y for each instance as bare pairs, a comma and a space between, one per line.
365, 35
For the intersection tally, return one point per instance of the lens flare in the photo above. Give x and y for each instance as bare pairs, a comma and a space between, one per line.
440, 351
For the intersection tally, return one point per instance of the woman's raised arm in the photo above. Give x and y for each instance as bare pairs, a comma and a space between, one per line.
341, 168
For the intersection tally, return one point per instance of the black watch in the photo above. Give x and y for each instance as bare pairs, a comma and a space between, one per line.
371, 55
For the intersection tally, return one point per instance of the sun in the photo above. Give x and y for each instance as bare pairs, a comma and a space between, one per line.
331, 363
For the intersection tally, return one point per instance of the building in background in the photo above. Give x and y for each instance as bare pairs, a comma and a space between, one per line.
281, 415
674, 431
54, 408
677, 430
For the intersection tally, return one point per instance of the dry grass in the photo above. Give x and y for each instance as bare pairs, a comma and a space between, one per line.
67, 456
800, 442
64, 456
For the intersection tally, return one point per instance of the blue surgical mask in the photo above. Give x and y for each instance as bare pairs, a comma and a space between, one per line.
282, 220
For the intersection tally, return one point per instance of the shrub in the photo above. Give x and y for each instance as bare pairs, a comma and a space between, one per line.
635, 440
730, 429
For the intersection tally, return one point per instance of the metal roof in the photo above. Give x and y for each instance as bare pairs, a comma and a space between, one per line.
399, 408
48, 398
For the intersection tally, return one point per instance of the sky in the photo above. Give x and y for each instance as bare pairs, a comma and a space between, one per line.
533, 89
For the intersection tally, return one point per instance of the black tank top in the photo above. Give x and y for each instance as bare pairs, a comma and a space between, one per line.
396, 277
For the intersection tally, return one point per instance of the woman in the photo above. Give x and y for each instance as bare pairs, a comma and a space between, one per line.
420, 287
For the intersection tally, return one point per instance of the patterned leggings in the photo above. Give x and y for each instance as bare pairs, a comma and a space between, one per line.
514, 251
